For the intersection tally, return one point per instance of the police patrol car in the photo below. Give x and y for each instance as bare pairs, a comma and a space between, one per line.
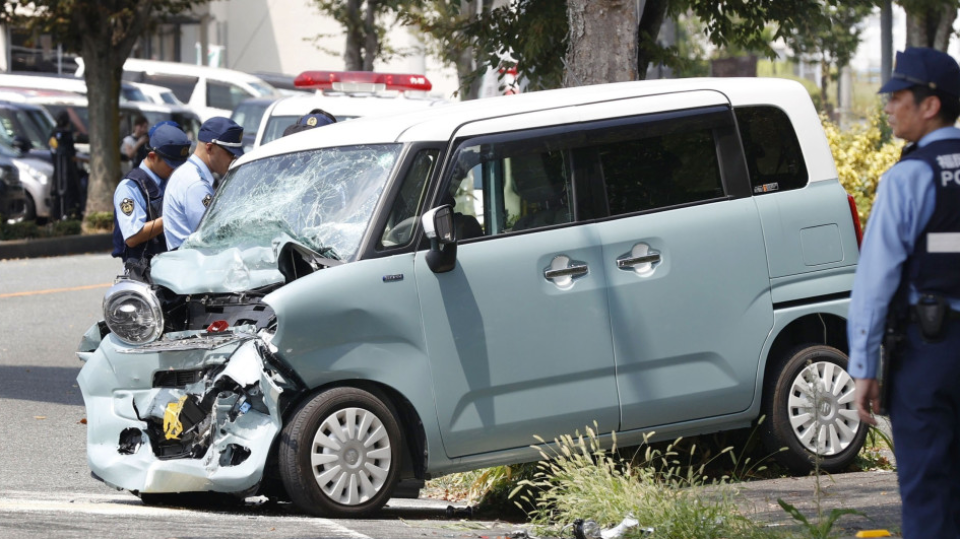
347, 95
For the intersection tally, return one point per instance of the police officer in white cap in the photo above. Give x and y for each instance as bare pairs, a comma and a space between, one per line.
191, 186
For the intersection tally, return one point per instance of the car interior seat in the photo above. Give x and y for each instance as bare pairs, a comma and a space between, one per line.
543, 195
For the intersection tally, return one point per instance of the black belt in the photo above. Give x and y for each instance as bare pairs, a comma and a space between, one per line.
951, 315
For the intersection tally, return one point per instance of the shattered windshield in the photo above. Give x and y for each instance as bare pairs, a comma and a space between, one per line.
322, 198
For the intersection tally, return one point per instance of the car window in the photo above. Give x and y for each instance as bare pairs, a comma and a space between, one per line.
402, 221
248, 115
658, 171
223, 95
508, 186
774, 158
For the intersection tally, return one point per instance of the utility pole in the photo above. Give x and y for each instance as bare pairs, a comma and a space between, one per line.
886, 40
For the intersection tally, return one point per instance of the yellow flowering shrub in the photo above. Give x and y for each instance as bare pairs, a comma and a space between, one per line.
862, 157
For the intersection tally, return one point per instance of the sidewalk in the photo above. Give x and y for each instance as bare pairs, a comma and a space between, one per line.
873, 493
66, 245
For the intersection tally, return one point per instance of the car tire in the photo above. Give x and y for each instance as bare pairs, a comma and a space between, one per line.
806, 375
30, 213
340, 453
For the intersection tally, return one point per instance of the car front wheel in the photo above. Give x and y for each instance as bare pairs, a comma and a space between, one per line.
810, 409
340, 453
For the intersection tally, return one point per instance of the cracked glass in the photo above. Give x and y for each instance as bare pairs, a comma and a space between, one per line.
323, 199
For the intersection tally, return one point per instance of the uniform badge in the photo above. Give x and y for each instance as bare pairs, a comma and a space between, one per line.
312, 121
206, 200
126, 206
185, 151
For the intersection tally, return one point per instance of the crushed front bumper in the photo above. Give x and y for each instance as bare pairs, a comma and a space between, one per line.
192, 412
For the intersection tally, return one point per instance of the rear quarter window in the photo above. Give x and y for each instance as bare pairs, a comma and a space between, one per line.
772, 150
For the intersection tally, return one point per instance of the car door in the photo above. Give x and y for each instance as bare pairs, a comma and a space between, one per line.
686, 267
518, 332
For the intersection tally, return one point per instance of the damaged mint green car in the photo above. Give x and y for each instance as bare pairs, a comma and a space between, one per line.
393, 299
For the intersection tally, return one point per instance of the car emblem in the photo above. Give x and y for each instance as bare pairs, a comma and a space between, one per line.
126, 206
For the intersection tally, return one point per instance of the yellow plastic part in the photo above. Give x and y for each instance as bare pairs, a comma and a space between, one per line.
873, 533
172, 427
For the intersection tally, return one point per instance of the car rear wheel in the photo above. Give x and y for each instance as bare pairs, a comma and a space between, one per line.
340, 453
810, 409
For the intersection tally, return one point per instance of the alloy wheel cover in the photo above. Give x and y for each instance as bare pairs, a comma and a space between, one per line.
351, 456
822, 408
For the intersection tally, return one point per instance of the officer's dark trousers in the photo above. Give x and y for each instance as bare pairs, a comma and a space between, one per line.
925, 413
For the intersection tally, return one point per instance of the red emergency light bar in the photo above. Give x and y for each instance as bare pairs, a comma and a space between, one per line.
361, 81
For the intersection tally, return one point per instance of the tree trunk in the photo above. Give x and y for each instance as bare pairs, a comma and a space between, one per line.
371, 41
102, 70
105, 46
603, 42
352, 59
654, 12
465, 59
931, 27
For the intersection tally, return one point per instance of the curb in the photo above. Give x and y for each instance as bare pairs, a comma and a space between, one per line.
66, 245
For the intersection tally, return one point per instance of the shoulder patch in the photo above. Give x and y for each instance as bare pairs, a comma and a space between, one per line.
126, 206
206, 200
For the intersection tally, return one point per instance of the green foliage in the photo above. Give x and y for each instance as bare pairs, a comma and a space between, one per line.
862, 154
30, 230
579, 479
822, 528
100, 220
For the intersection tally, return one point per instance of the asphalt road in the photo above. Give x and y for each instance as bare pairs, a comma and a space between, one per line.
46, 305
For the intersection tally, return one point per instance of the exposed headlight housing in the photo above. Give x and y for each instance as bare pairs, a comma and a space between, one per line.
132, 312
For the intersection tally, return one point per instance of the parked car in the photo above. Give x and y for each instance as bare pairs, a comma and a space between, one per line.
671, 257
26, 129
210, 91
248, 115
158, 94
36, 81
12, 196
347, 95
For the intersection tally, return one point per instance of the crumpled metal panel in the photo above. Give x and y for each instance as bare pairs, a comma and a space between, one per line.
194, 342
117, 389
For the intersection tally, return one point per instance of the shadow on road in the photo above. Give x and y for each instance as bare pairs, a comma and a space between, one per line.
56, 385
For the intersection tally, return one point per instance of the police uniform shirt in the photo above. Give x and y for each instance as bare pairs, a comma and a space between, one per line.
189, 192
130, 206
906, 197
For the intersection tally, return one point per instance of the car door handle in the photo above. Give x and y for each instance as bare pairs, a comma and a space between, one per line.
637, 260
569, 271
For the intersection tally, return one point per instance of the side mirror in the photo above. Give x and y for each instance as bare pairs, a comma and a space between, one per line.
439, 227
21, 144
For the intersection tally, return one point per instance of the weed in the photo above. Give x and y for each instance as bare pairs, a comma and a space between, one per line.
579, 479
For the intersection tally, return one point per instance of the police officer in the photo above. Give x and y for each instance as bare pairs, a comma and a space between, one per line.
910, 267
191, 186
137, 202
314, 118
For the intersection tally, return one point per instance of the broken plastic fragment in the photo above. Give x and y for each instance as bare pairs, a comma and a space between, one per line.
172, 427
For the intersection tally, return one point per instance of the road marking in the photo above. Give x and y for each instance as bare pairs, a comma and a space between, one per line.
55, 290
128, 506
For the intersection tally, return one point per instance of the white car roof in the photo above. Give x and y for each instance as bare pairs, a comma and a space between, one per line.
44, 83
440, 123
178, 68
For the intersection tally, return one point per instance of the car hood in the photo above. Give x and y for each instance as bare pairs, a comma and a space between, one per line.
199, 271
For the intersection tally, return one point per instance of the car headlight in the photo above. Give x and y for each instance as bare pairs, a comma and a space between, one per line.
132, 312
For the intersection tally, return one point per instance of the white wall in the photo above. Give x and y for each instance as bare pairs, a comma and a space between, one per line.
276, 36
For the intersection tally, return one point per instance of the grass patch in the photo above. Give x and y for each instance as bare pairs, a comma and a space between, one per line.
663, 489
